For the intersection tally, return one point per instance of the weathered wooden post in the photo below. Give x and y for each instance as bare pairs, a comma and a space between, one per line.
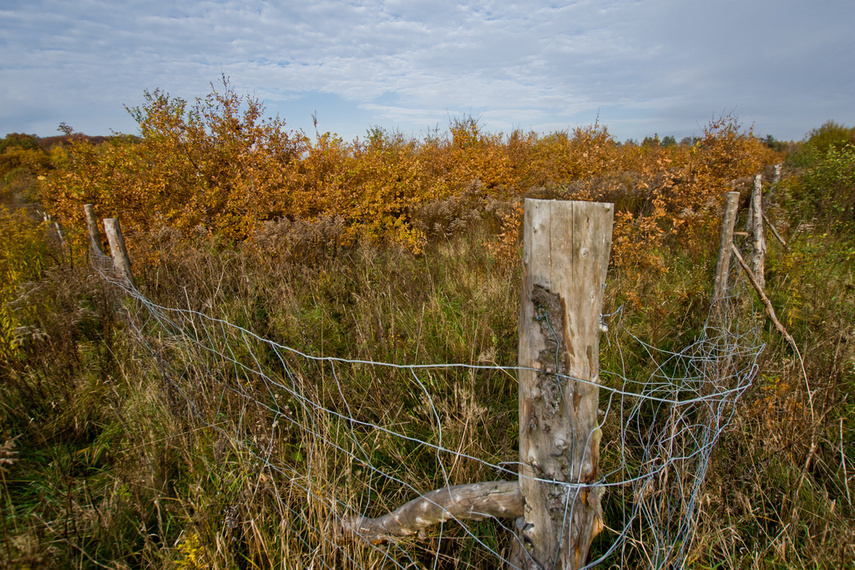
722, 270
556, 500
92, 226
121, 261
755, 232
565, 258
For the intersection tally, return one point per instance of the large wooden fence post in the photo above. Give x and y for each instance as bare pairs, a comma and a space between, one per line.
565, 259
722, 271
556, 500
121, 261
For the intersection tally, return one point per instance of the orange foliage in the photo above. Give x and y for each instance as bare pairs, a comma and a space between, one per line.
218, 167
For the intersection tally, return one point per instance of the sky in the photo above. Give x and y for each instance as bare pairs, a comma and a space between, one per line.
637, 67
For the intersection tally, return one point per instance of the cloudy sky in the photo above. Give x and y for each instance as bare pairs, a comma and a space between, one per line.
639, 66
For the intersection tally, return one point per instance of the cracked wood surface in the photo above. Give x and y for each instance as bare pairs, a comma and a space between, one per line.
565, 258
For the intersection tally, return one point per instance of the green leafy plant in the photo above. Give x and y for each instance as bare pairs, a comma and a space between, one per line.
830, 184
23, 257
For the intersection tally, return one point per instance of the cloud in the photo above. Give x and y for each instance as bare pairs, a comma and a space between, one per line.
531, 63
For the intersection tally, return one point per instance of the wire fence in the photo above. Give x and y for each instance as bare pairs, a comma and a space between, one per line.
323, 445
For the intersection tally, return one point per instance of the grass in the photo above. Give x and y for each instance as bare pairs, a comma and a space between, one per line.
104, 463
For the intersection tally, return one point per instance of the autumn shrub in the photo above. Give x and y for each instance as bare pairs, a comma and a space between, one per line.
701, 180
216, 166
22, 159
24, 255
375, 189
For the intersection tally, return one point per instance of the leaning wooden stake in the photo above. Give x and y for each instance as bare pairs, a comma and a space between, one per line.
722, 270
92, 226
121, 261
565, 257
774, 231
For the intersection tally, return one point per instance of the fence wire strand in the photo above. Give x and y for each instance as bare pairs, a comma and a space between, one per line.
294, 420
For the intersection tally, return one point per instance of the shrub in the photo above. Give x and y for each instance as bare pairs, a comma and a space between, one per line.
21, 159
819, 141
830, 135
22, 258
830, 184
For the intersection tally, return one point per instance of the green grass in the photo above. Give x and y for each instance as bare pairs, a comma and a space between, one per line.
110, 466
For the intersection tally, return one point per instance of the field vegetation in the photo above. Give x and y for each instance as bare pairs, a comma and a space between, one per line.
403, 250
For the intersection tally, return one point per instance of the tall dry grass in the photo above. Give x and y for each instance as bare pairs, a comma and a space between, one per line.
104, 462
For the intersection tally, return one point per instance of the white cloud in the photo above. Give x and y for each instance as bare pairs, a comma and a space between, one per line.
780, 63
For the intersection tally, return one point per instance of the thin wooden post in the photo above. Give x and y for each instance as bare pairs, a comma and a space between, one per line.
756, 237
723, 268
60, 235
92, 225
121, 261
565, 259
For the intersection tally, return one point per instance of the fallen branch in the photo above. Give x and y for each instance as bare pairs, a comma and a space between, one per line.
768, 304
774, 231
477, 501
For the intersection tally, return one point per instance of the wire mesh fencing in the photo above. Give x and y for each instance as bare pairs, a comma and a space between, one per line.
307, 449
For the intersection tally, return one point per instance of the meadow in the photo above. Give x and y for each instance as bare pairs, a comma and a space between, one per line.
116, 445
